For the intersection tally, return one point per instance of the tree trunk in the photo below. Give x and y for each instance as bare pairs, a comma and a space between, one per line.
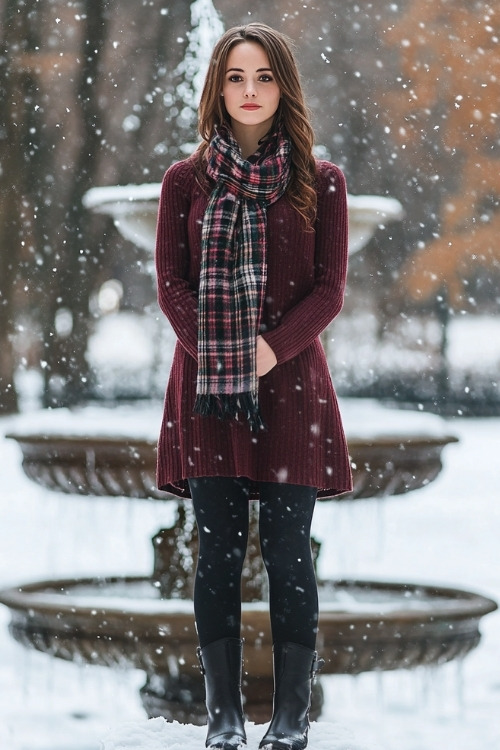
11, 172
67, 376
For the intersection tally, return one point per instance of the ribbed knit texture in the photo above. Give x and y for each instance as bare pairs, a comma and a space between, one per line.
304, 442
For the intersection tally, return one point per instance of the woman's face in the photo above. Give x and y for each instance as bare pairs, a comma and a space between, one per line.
250, 91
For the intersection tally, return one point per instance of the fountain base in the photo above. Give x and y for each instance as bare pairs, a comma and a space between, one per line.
183, 700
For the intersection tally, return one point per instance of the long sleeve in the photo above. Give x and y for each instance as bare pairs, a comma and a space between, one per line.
176, 296
302, 324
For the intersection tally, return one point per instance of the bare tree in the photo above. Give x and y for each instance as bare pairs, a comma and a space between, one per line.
14, 88
70, 75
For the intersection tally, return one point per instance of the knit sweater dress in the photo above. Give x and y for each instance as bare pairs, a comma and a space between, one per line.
304, 441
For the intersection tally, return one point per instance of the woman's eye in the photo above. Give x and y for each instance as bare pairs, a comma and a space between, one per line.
236, 78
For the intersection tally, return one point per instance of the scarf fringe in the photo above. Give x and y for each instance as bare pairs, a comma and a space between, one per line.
229, 406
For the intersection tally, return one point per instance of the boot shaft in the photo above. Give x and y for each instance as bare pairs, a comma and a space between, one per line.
222, 659
295, 667
221, 664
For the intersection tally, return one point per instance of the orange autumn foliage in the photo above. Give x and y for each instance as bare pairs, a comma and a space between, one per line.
449, 94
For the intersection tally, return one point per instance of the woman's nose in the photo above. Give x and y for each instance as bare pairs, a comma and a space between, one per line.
250, 89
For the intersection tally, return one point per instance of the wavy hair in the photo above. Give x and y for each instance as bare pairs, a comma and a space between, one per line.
292, 111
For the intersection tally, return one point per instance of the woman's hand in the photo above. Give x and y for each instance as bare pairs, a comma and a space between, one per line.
266, 358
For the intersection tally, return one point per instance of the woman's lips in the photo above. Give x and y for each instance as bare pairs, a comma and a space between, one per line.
250, 106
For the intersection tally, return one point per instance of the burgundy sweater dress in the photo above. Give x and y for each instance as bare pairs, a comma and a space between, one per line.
304, 440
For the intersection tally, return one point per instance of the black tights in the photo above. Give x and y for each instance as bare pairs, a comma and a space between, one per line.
221, 507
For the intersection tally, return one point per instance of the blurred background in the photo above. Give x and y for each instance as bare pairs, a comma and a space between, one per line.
404, 97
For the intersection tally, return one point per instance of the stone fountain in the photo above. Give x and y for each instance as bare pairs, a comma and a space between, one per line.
147, 622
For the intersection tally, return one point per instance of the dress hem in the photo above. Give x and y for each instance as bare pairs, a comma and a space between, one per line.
180, 488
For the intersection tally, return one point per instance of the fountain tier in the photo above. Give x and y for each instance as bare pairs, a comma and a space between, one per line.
134, 209
112, 452
123, 622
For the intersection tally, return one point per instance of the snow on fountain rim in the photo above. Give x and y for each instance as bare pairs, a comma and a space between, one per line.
97, 197
364, 419
365, 598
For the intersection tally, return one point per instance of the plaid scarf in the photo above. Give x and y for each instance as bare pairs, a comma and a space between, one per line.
234, 273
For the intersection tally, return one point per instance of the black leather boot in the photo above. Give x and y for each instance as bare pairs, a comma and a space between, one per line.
221, 666
294, 669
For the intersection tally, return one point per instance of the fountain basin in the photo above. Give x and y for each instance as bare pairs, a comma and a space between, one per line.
134, 209
126, 466
100, 451
364, 625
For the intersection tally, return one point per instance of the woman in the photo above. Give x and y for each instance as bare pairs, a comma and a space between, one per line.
251, 262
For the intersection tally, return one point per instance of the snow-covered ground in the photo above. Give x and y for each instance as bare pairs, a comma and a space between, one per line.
446, 533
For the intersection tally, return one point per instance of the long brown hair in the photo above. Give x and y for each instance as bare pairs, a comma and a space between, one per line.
292, 111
